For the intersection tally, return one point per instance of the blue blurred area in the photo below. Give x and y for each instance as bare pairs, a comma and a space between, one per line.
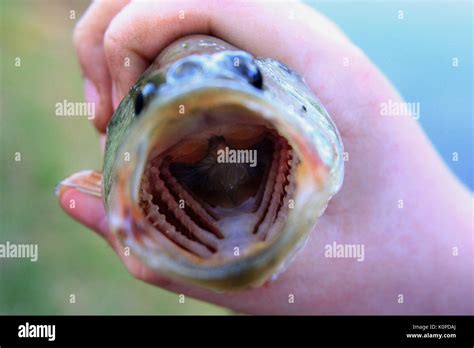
417, 53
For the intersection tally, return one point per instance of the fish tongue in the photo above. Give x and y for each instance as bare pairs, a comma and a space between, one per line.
238, 232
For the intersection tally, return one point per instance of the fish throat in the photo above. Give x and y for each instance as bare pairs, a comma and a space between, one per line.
222, 189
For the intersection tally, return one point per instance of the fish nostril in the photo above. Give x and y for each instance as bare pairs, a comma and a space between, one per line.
243, 65
144, 96
185, 69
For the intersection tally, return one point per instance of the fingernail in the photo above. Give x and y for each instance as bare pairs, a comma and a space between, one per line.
91, 94
60, 189
86, 181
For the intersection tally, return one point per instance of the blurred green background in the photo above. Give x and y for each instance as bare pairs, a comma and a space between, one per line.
72, 259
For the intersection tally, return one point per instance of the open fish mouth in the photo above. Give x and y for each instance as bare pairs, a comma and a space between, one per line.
214, 172
222, 188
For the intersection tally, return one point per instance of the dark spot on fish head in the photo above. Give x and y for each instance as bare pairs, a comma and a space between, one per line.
146, 93
245, 65
304, 108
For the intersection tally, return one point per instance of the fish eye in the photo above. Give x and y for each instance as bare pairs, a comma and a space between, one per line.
144, 96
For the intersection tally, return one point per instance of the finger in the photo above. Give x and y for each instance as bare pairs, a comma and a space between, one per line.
309, 43
88, 40
88, 210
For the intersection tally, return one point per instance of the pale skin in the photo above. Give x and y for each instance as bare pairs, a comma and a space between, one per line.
409, 251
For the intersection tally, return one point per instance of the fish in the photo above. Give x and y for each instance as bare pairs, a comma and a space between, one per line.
217, 166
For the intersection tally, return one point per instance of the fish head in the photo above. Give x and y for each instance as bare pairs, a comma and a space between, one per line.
212, 176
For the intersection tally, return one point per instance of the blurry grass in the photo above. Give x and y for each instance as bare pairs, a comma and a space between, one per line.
72, 259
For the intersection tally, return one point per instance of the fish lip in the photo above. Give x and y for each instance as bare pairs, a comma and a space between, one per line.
253, 269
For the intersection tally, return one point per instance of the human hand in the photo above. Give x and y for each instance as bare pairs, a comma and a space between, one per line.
407, 251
